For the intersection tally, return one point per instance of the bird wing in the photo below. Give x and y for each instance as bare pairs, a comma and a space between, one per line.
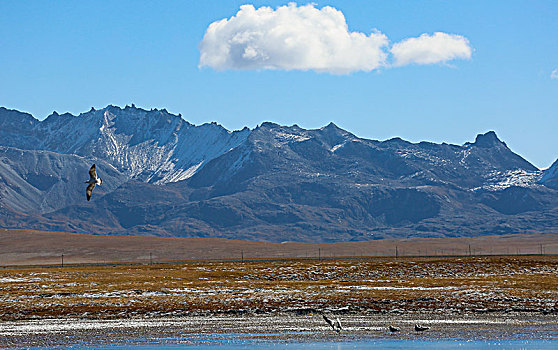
92, 172
89, 191
338, 324
329, 322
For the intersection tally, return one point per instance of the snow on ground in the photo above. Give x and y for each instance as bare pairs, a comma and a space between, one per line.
497, 180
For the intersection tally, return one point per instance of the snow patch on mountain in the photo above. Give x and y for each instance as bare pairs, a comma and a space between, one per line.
336, 147
465, 153
500, 180
186, 174
292, 137
417, 154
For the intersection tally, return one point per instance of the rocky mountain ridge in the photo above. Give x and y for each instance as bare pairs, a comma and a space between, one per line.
149, 145
165, 176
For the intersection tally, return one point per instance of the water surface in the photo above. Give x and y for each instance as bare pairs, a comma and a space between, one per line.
211, 344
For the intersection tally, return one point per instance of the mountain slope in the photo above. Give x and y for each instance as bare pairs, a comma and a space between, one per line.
550, 176
165, 176
296, 183
153, 146
41, 181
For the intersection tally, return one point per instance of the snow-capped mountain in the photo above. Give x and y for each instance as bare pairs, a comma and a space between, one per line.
153, 146
165, 176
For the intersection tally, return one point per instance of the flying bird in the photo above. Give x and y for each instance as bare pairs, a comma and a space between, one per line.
420, 328
394, 329
93, 180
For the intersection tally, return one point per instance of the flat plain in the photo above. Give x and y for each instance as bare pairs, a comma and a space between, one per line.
434, 284
28, 247
134, 295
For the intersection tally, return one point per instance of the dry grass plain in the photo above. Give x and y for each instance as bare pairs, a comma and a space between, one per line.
27, 247
111, 276
336, 285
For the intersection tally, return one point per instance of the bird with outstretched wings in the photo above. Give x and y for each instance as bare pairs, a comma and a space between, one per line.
93, 181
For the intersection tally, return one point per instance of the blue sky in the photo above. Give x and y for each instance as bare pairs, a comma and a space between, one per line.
71, 56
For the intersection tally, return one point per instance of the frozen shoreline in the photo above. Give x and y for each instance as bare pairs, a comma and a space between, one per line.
280, 327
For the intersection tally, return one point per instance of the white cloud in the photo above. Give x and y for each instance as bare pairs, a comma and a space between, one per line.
290, 37
554, 74
295, 37
430, 49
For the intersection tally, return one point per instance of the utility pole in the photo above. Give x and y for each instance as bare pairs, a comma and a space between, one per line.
469, 250
319, 254
62, 260
242, 255
150, 258
396, 252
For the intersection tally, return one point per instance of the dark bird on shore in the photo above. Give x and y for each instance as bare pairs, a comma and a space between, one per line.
420, 328
335, 325
93, 180
393, 328
329, 322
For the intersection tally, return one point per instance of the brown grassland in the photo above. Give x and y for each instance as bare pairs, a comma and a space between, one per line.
28, 247
363, 285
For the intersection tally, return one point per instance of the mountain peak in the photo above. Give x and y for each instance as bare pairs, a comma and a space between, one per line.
488, 139
6, 112
333, 130
331, 125
13, 120
269, 125
112, 108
